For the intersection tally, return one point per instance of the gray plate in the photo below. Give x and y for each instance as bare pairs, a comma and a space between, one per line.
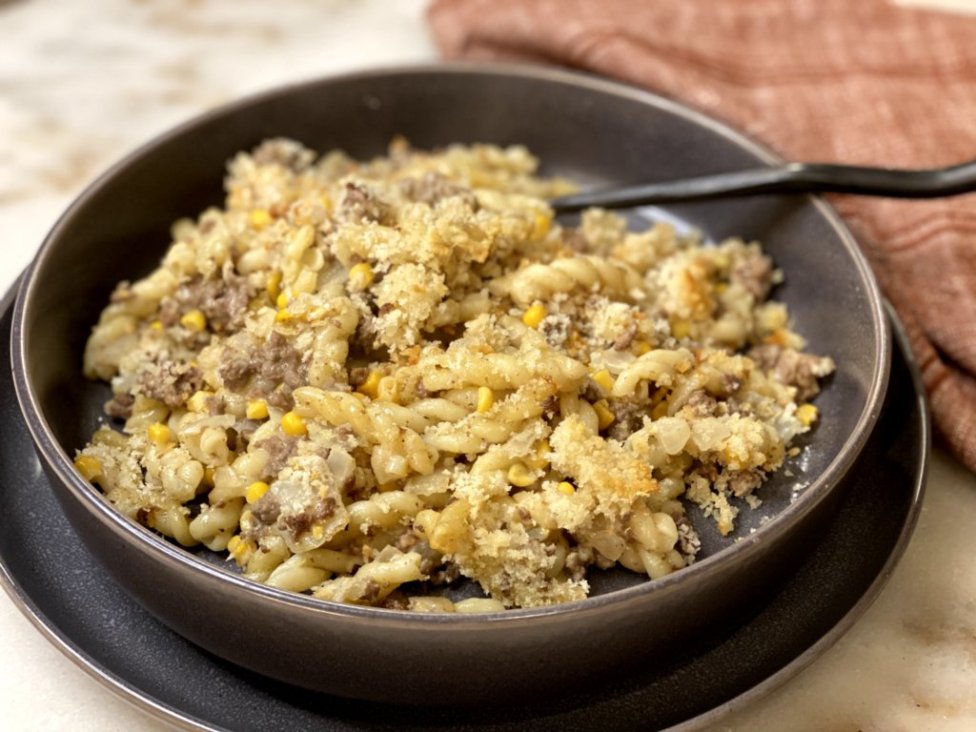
66, 594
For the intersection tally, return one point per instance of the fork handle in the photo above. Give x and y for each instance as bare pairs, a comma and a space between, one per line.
790, 178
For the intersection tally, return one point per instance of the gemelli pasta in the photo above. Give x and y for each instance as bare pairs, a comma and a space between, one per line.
367, 380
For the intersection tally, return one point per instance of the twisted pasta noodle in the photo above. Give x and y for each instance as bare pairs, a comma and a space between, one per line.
298, 573
174, 471
145, 412
452, 311
571, 405
654, 531
542, 281
293, 264
375, 579
444, 410
654, 536
475, 432
433, 604
215, 524
231, 481
330, 347
258, 565
659, 366
174, 522
459, 368
717, 374
391, 429
462, 367
447, 530
383, 510
114, 336
206, 437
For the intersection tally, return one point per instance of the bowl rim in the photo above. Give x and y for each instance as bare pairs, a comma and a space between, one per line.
147, 541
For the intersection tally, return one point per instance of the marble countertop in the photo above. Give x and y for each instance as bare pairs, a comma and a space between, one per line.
83, 83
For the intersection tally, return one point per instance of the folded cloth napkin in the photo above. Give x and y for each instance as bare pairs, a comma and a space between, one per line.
864, 82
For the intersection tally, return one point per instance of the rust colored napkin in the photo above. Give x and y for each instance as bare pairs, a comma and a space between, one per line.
855, 81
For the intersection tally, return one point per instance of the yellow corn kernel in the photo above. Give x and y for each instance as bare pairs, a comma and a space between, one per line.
255, 491
198, 402
542, 224
361, 276
326, 202
534, 315
260, 218
807, 414
273, 288
641, 347
603, 414
240, 549
603, 379
721, 287
680, 328
89, 467
281, 300
566, 488
283, 316
160, 434
293, 425
486, 397
156, 325
194, 320
371, 386
256, 409
520, 476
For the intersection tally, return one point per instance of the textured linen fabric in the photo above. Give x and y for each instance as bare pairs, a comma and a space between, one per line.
855, 81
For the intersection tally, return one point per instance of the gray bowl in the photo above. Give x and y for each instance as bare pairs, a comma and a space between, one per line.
590, 129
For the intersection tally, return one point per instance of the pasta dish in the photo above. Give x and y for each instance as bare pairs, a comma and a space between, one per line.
367, 380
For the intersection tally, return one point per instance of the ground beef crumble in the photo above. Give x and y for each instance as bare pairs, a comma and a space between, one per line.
170, 382
279, 449
361, 204
120, 406
433, 188
793, 368
223, 302
299, 523
272, 371
755, 274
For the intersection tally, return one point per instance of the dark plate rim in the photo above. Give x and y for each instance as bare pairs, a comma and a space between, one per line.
61, 465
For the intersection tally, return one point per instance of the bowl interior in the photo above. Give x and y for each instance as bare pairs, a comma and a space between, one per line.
593, 131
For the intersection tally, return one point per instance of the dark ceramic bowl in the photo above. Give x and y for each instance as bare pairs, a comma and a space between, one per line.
589, 129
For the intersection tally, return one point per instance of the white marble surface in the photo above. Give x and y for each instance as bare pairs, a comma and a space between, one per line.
82, 83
